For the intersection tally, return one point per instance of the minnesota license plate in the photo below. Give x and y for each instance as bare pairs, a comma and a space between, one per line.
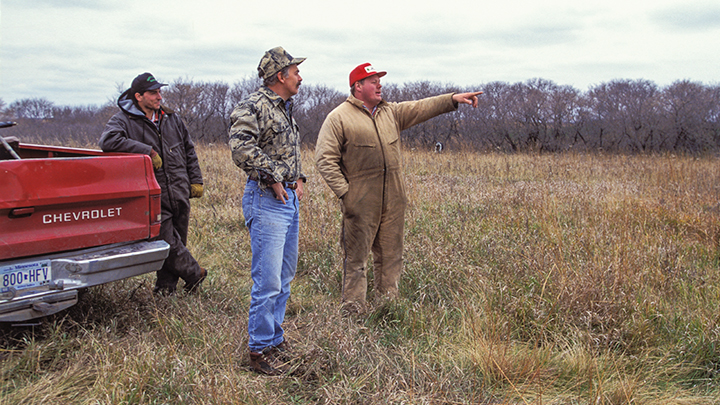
25, 275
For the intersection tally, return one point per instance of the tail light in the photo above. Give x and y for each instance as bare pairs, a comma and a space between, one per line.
155, 195
155, 215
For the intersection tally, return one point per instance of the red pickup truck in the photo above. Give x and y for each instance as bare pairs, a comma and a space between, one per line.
72, 218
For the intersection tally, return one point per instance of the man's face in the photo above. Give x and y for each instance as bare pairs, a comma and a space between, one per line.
292, 82
369, 91
150, 100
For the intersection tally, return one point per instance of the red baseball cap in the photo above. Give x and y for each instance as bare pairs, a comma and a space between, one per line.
363, 71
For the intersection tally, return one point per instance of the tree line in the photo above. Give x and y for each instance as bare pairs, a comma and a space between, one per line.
623, 116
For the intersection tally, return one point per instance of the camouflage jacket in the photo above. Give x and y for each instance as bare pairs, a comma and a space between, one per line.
264, 140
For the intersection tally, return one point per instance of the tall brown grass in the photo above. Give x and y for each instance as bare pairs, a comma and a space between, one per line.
529, 279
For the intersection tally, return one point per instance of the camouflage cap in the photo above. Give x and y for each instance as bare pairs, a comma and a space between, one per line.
276, 60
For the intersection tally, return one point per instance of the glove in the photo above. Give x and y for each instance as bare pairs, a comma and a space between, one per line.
196, 190
156, 159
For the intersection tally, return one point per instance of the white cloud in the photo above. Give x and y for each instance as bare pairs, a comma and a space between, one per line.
78, 51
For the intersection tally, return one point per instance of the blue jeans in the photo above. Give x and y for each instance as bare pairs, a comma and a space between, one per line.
274, 229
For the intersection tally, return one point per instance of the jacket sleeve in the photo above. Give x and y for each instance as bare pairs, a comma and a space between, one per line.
193, 164
115, 137
328, 155
246, 153
411, 113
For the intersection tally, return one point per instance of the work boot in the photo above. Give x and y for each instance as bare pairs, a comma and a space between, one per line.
192, 286
352, 309
266, 362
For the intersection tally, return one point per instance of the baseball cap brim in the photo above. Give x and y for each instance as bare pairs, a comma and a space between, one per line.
156, 86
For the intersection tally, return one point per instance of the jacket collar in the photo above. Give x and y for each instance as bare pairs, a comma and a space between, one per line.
274, 97
359, 103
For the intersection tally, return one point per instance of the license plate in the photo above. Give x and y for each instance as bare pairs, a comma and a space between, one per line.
25, 275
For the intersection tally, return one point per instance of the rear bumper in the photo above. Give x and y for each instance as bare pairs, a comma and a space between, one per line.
78, 269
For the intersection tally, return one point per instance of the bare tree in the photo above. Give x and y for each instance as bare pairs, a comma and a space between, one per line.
203, 107
76, 126
312, 104
3, 111
32, 108
564, 109
712, 119
689, 109
626, 115
498, 111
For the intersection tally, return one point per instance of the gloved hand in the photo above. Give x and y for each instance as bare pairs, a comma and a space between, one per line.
196, 190
156, 159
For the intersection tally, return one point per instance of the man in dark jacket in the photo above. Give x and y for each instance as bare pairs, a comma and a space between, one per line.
144, 126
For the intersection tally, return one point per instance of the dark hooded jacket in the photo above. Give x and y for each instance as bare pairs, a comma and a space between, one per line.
130, 131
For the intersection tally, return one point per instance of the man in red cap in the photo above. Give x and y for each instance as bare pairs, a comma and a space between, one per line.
358, 155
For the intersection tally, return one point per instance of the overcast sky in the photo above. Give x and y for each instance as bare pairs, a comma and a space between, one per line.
77, 52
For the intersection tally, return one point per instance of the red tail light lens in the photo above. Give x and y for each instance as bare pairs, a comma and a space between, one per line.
155, 215
155, 211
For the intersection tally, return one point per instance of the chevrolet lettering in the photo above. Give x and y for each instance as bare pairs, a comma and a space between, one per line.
82, 215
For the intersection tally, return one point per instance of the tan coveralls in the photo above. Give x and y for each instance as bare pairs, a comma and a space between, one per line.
359, 157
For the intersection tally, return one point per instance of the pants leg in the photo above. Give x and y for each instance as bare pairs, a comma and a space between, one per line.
180, 263
358, 233
273, 228
289, 266
387, 252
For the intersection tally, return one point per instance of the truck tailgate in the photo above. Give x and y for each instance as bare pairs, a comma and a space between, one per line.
59, 204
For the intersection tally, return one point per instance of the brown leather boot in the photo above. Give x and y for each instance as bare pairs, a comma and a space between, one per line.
192, 286
266, 362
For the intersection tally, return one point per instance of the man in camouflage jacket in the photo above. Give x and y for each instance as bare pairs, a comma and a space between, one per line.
265, 143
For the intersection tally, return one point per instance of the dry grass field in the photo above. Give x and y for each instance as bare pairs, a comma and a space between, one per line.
529, 279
